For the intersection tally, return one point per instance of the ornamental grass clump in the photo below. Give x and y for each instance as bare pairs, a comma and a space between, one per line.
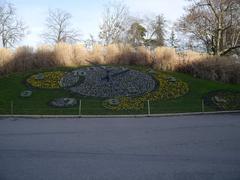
6, 56
218, 68
223, 69
165, 58
64, 54
81, 55
44, 57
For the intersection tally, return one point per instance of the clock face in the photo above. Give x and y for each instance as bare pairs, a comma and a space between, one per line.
103, 81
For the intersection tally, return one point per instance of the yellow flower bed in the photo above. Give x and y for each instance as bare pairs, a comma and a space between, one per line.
166, 90
50, 81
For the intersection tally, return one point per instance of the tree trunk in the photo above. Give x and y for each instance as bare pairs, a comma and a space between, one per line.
219, 35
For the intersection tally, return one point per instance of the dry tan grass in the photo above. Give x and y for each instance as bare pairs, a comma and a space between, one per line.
81, 55
224, 69
21, 60
5, 56
24, 58
144, 56
112, 53
127, 55
165, 58
44, 56
64, 54
97, 54
191, 56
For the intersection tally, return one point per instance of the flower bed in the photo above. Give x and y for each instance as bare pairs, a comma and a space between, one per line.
223, 100
166, 90
50, 80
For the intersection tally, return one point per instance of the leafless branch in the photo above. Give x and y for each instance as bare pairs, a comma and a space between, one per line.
59, 28
11, 28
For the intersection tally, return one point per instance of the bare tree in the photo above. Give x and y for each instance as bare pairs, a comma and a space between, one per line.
11, 28
216, 23
114, 23
59, 28
156, 31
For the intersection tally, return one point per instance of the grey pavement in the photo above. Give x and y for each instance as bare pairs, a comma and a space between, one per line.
203, 147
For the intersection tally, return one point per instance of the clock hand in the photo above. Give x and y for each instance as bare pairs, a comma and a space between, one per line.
108, 77
119, 73
98, 65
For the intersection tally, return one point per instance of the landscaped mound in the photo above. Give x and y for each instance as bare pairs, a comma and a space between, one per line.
25, 99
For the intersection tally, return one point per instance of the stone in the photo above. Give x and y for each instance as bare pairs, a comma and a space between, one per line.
219, 100
91, 68
113, 102
171, 79
151, 71
103, 67
26, 93
39, 76
64, 102
123, 68
79, 73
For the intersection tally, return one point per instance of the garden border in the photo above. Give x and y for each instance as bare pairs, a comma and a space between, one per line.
120, 116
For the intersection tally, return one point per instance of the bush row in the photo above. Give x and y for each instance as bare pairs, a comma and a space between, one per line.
225, 69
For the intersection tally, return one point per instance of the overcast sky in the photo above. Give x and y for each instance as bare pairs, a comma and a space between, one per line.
86, 14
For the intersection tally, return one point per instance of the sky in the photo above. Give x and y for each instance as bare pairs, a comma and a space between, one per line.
87, 14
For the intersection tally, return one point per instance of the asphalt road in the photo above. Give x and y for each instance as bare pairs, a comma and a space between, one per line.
172, 148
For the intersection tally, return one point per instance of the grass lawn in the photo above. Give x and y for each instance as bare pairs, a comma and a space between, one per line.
12, 85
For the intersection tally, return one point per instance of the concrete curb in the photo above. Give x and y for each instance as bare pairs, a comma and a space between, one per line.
120, 116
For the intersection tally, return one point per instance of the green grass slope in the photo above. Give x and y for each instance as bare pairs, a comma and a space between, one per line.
12, 85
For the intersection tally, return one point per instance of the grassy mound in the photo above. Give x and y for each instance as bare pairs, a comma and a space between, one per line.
12, 85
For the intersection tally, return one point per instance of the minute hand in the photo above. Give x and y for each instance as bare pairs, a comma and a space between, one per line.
119, 73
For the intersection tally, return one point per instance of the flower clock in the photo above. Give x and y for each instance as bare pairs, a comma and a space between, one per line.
122, 88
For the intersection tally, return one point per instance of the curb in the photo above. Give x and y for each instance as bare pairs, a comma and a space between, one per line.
121, 116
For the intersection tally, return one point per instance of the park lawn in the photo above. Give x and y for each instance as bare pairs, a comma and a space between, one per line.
12, 85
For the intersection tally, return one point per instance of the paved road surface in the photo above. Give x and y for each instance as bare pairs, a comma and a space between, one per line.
171, 148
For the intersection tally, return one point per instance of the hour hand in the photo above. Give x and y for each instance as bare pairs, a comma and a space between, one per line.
119, 73
109, 76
